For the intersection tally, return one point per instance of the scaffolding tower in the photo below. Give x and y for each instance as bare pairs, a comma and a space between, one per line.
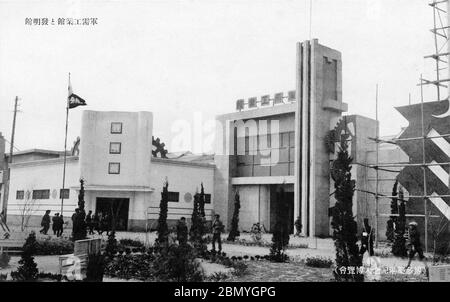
440, 35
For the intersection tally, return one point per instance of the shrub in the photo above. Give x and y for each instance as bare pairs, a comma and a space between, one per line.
197, 231
4, 260
53, 247
27, 271
177, 263
131, 267
111, 245
280, 236
234, 232
130, 242
240, 268
319, 262
218, 276
163, 230
343, 221
53, 277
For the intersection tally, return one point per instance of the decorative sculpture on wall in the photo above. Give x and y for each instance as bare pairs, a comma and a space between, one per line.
76, 147
158, 149
343, 131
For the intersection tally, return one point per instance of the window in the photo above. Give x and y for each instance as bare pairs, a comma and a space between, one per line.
174, 196
41, 194
64, 193
207, 198
114, 168
115, 148
275, 159
20, 194
116, 128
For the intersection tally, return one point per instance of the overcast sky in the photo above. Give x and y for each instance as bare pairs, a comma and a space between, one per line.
178, 58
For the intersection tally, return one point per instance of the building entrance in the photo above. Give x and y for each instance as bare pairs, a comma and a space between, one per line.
117, 207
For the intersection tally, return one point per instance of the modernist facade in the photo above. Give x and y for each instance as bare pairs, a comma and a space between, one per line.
281, 141
285, 140
115, 160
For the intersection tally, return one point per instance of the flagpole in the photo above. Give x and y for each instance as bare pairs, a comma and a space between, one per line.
65, 154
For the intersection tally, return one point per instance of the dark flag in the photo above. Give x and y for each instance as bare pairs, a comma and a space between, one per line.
75, 100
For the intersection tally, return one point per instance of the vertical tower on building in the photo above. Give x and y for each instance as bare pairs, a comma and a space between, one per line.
319, 107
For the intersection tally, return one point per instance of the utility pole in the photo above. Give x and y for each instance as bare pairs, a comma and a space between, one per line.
11, 150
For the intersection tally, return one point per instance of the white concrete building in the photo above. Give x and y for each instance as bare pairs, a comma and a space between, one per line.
115, 160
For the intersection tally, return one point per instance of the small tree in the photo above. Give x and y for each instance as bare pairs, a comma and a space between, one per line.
399, 246
79, 224
343, 222
234, 232
392, 222
280, 236
163, 230
201, 203
26, 210
197, 230
27, 271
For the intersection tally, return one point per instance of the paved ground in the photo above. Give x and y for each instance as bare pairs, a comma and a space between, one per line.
258, 270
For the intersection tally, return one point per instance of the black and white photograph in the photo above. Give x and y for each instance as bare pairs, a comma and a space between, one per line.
224, 147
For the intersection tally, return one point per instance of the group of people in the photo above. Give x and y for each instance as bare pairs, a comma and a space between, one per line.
99, 222
57, 224
414, 244
217, 228
94, 222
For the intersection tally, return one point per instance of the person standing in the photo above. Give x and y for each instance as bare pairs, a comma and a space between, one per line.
217, 228
45, 223
60, 227
89, 223
414, 245
55, 223
182, 231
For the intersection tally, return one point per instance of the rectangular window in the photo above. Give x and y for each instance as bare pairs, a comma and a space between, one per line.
41, 194
115, 148
20, 194
116, 128
174, 196
114, 168
64, 193
207, 198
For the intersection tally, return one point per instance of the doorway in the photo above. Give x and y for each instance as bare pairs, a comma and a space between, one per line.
118, 207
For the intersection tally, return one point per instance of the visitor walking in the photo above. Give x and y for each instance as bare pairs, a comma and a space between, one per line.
45, 223
217, 229
55, 222
414, 245
4, 225
60, 226
182, 231
367, 239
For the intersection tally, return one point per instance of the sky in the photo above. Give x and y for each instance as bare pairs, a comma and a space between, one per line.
191, 60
